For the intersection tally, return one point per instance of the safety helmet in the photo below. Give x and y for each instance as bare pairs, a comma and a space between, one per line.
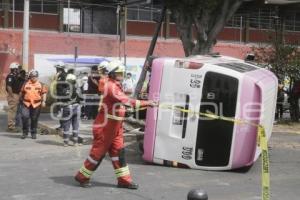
14, 65
103, 65
60, 65
85, 78
71, 77
33, 73
116, 66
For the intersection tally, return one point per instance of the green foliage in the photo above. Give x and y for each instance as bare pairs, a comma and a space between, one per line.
282, 59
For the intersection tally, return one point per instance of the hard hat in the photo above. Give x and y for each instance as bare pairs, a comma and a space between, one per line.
71, 77
14, 65
103, 65
116, 66
33, 73
85, 78
60, 64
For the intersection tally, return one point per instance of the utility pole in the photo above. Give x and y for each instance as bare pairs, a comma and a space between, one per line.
13, 14
143, 75
69, 4
26, 35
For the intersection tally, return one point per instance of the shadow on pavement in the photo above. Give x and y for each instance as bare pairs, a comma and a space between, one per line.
12, 135
50, 142
69, 180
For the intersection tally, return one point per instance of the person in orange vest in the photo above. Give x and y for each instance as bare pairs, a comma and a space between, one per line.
108, 129
33, 94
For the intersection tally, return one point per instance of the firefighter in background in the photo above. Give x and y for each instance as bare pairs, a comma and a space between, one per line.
33, 94
102, 69
60, 84
108, 129
12, 89
21, 79
71, 110
93, 94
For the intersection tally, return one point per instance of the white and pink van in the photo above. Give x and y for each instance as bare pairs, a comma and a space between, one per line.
220, 85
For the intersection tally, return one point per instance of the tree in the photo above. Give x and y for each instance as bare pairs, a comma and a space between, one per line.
205, 18
283, 59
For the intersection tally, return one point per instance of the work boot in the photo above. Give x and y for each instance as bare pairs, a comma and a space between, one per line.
66, 143
132, 186
85, 184
23, 137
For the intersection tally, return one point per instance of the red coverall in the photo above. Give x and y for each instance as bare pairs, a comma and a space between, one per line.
108, 132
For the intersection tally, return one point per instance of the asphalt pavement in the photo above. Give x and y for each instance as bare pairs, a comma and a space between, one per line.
43, 169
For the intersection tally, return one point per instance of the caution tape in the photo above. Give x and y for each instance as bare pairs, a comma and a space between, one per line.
262, 142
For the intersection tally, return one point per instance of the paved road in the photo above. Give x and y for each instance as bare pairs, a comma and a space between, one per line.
43, 170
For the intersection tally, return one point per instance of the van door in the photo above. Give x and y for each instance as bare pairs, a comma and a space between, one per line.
214, 137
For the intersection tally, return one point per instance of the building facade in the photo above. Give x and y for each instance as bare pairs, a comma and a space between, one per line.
57, 27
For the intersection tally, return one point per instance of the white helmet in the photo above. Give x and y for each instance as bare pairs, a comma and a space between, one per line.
85, 78
60, 64
14, 65
116, 66
71, 77
33, 73
103, 65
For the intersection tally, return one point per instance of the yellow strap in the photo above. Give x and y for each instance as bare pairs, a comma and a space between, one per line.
262, 143
115, 117
85, 172
100, 103
265, 164
124, 171
137, 104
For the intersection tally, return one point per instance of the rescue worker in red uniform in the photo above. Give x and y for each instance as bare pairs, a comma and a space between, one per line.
108, 129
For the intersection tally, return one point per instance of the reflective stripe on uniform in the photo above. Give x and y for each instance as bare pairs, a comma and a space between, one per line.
85, 172
115, 117
124, 171
138, 104
100, 103
114, 158
95, 162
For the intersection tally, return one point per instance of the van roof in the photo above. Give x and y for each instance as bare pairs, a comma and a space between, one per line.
213, 59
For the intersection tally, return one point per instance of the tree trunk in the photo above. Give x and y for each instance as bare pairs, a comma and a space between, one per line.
185, 30
208, 22
143, 75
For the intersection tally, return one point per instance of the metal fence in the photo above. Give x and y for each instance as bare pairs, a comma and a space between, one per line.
143, 13
80, 16
265, 19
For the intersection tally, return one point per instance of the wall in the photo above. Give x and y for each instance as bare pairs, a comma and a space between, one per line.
42, 42
140, 28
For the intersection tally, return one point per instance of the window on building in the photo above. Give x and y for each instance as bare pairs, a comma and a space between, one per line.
290, 22
19, 5
72, 19
35, 6
156, 14
145, 14
297, 21
132, 13
50, 6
